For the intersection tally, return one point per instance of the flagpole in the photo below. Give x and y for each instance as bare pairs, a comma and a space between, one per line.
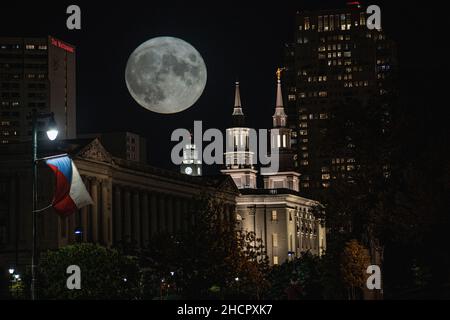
33, 213
51, 134
52, 157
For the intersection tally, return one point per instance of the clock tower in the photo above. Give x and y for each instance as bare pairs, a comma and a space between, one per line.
191, 165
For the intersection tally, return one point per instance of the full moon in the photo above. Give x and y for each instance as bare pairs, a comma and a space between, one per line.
166, 75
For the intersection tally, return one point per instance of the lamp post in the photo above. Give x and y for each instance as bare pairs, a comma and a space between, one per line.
52, 133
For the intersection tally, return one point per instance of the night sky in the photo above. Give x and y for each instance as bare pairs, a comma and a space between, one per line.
236, 40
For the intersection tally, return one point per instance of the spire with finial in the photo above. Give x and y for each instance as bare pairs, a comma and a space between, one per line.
279, 117
238, 115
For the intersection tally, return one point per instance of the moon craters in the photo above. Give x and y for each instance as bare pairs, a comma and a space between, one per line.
166, 75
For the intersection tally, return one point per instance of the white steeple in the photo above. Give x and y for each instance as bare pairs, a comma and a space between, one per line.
237, 101
279, 117
238, 116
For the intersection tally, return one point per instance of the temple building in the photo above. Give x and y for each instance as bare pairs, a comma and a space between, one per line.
277, 213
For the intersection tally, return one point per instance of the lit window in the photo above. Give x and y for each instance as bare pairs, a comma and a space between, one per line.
274, 215
275, 240
362, 19
275, 260
29, 46
307, 25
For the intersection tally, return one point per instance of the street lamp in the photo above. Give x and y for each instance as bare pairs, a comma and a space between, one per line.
52, 129
52, 133
11, 271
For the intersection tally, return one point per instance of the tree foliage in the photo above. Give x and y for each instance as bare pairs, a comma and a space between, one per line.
354, 262
210, 259
105, 274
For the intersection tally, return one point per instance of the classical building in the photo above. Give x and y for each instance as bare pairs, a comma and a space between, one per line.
122, 144
132, 201
277, 213
36, 74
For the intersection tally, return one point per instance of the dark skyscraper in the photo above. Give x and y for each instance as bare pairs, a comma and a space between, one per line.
335, 58
36, 73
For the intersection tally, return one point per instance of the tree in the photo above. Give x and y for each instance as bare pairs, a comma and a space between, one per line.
299, 279
105, 274
210, 259
354, 262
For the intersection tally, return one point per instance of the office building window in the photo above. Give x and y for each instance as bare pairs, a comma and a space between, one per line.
307, 23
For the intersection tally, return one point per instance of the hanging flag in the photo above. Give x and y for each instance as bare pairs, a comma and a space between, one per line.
70, 191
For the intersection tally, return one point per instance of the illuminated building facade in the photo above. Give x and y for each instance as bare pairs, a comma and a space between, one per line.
335, 58
277, 213
36, 74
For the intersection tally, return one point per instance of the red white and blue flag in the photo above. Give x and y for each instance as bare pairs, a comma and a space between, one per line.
70, 191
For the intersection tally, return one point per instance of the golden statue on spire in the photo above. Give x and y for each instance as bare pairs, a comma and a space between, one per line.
279, 70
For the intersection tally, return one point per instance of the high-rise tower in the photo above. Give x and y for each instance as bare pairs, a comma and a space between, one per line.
336, 59
36, 74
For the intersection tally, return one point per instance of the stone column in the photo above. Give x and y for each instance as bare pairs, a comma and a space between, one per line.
177, 214
127, 216
153, 214
85, 216
94, 211
169, 214
145, 223
71, 227
136, 233
84, 223
117, 215
185, 218
106, 214
161, 213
